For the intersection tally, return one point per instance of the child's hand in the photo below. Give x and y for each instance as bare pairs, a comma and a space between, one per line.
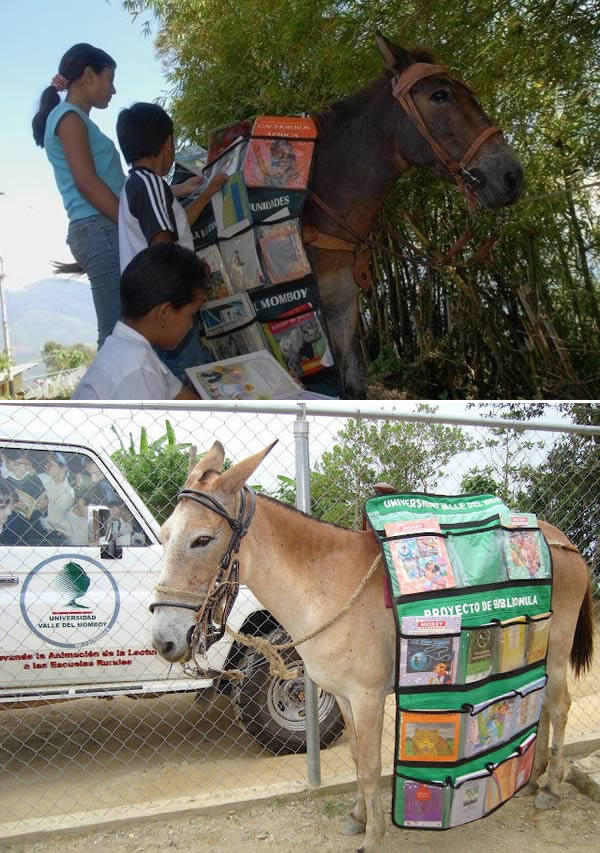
187, 187
216, 182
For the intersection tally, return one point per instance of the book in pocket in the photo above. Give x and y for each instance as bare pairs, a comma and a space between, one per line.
489, 724
423, 804
426, 658
468, 797
429, 737
420, 558
480, 652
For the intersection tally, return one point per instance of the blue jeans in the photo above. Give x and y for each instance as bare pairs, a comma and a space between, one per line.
189, 353
94, 243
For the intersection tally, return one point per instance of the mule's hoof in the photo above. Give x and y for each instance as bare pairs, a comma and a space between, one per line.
546, 800
527, 790
352, 826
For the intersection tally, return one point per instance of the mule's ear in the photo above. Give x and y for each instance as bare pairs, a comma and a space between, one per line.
395, 57
232, 480
211, 461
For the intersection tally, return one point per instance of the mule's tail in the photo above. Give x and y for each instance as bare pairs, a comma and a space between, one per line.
583, 641
66, 269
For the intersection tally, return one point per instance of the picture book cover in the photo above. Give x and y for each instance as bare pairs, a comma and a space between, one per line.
502, 783
299, 343
429, 737
255, 376
290, 127
241, 262
424, 657
525, 555
278, 163
228, 162
525, 762
480, 653
221, 138
231, 207
511, 643
219, 285
538, 631
423, 804
420, 561
529, 703
230, 326
468, 797
283, 251
490, 725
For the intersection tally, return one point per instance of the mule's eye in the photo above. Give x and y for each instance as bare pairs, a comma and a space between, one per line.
201, 541
441, 96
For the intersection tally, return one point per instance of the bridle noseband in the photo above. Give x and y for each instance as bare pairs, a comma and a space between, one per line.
212, 613
401, 87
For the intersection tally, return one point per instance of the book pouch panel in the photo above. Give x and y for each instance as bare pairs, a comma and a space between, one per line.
468, 798
525, 762
528, 706
512, 637
428, 660
278, 163
421, 562
477, 558
538, 632
502, 783
525, 554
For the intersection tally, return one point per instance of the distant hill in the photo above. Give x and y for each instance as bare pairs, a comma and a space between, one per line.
50, 310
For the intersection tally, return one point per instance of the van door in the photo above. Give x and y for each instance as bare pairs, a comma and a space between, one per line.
78, 564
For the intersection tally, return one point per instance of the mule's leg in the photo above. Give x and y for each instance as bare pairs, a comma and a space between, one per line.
367, 710
355, 821
541, 753
558, 702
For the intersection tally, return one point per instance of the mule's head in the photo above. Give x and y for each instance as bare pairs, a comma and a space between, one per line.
455, 121
195, 538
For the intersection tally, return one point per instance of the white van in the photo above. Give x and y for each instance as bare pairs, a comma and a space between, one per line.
79, 558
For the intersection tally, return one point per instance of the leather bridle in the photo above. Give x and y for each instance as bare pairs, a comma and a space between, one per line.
402, 85
212, 613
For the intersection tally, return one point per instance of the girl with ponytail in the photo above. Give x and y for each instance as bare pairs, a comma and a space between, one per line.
87, 169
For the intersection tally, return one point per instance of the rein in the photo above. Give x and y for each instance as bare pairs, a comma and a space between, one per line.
464, 179
213, 612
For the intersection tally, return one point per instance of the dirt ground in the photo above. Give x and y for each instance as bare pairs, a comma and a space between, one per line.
313, 823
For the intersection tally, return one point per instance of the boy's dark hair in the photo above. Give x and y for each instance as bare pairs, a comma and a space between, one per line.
71, 66
142, 130
164, 272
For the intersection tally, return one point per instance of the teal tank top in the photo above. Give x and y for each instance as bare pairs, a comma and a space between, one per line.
105, 155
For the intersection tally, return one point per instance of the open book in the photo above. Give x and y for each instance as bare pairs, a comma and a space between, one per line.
254, 376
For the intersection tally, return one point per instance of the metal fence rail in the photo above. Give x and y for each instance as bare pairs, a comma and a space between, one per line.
86, 757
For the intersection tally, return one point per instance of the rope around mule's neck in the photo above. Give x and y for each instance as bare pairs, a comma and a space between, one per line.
271, 651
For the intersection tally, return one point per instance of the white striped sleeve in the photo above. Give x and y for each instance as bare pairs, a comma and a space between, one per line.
150, 201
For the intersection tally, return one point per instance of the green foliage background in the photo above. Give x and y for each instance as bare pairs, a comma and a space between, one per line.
525, 321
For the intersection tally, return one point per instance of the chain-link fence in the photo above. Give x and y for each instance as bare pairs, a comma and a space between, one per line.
92, 722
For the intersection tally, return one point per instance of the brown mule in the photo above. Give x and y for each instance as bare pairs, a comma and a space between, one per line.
303, 571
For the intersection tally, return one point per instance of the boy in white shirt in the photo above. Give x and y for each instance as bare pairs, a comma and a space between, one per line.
161, 290
148, 211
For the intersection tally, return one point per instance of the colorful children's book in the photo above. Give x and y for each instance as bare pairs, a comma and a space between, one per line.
525, 763
538, 631
283, 251
429, 737
420, 558
468, 797
502, 783
219, 285
426, 657
222, 137
255, 376
423, 804
480, 653
231, 207
525, 553
278, 163
241, 262
489, 724
529, 703
511, 643
230, 326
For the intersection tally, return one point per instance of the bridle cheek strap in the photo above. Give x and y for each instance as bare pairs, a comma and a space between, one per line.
401, 88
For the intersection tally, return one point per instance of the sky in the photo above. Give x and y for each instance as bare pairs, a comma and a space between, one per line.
35, 35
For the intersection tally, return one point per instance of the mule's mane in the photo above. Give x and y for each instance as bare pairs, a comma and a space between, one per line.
305, 514
341, 113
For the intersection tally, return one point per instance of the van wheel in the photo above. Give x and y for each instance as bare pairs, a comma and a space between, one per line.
272, 710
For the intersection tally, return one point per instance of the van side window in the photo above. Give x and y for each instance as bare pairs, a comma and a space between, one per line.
45, 496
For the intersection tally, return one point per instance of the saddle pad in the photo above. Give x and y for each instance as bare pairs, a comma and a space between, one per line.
471, 587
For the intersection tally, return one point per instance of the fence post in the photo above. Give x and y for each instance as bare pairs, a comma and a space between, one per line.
311, 704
